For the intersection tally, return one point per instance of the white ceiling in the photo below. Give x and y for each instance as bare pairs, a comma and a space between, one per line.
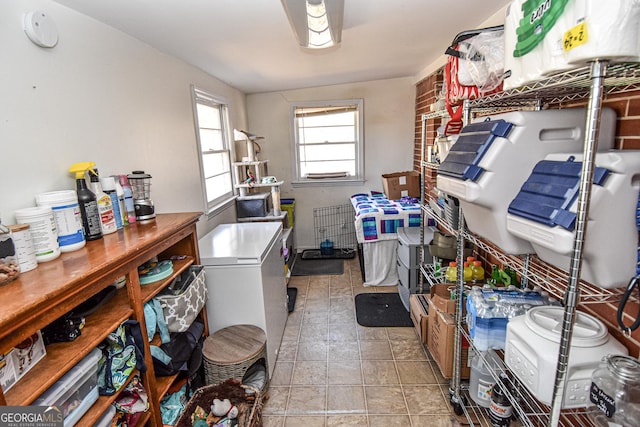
249, 45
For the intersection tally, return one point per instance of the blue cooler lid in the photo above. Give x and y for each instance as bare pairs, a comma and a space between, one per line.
550, 190
473, 142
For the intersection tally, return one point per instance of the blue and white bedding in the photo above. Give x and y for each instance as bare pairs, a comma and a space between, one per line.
378, 218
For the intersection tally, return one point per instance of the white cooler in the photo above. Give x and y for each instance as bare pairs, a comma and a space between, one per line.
541, 211
493, 157
531, 352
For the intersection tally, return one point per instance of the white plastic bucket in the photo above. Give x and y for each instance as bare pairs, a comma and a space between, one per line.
43, 231
66, 213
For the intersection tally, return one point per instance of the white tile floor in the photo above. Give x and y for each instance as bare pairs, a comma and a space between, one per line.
333, 372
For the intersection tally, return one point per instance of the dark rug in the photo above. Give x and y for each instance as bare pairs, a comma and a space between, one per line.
315, 267
292, 293
381, 310
336, 254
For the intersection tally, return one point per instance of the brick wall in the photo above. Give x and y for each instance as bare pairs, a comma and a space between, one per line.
627, 108
426, 94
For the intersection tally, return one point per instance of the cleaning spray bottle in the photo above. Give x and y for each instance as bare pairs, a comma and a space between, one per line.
87, 202
121, 205
105, 207
128, 198
109, 187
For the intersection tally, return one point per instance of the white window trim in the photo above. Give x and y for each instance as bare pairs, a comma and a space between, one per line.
359, 178
220, 204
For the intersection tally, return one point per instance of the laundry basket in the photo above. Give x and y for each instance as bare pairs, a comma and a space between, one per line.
248, 400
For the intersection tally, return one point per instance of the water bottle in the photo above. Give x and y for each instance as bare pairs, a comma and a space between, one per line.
481, 380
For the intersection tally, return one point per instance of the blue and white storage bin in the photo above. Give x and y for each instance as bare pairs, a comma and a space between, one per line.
494, 155
544, 212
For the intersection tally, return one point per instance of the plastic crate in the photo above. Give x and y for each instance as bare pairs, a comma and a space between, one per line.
76, 391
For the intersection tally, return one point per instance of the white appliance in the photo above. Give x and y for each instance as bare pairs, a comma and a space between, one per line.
244, 268
531, 352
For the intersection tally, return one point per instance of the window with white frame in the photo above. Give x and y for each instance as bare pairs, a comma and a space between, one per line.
213, 135
327, 138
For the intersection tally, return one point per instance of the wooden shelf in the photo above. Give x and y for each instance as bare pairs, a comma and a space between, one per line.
38, 297
63, 356
258, 185
251, 163
100, 406
152, 289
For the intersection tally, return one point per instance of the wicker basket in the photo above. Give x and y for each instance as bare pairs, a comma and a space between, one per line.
249, 405
231, 351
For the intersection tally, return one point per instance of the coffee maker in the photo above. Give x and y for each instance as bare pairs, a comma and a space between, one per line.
141, 188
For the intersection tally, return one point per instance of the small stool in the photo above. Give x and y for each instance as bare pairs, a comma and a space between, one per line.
229, 352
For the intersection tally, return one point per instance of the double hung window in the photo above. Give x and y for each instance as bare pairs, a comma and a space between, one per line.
213, 136
327, 140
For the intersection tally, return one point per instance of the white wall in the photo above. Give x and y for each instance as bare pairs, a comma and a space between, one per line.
495, 19
99, 96
389, 110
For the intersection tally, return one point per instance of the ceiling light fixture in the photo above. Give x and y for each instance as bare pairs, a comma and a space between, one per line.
317, 24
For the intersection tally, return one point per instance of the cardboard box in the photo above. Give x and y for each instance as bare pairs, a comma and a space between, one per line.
401, 184
441, 328
441, 297
419, 310
20, 359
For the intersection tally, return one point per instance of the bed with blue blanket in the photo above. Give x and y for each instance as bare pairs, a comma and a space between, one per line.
377, 220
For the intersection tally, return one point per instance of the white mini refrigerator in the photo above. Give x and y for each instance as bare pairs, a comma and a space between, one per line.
244, 269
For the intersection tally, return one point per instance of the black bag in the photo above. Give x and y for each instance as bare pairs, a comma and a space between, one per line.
68, 327
185, 350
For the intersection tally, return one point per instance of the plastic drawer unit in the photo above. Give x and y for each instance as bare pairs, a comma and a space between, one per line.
492, 158
408, 259
76, 391
544, 213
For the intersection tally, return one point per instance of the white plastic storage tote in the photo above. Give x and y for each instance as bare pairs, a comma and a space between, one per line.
544, 210
494, 155
531, 352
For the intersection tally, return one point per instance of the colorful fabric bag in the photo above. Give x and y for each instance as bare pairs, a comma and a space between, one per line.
122, 352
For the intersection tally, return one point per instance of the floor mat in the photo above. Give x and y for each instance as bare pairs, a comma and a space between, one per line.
336, 254
381, 310
315, 267
292, 293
